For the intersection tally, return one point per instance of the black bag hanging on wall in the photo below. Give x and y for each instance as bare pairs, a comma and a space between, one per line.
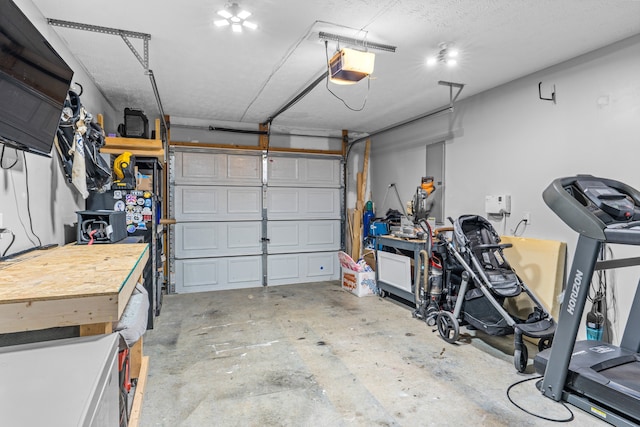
78, 142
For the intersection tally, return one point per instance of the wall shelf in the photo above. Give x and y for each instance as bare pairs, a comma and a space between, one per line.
137, 146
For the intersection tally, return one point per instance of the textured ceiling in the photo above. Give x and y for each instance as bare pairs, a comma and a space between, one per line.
210, 75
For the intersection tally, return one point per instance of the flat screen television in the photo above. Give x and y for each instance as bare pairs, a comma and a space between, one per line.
34, 82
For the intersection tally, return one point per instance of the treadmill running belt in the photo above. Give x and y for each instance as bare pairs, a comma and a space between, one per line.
624, 378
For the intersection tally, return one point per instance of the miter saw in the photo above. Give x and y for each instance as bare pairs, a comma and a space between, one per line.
422, 202
418, 210
124, 171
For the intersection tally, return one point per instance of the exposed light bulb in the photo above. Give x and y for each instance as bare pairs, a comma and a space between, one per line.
250, 25
235, 17
445, 55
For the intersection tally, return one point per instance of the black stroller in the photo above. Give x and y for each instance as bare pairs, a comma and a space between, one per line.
476, 280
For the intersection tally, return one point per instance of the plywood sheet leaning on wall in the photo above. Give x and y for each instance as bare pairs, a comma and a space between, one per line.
541, 265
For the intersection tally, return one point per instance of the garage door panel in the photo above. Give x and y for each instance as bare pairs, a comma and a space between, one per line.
192, 167
197, 275
284, 269
283, 170
324, 233
321, 265
303, 203
210, 239
246, 169
244, 236
322, 172
217, 203
196, 237
210, 274
244, 201
303, 172
283, 202
207, 168
243, 270
283, 235
197, 201
303, 236
323, 203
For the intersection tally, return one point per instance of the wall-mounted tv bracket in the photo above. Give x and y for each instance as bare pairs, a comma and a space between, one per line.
553, 94
125, 35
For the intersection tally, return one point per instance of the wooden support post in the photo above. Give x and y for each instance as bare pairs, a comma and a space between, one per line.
135, 359
96, 329
345, 142
158, 131
357, 234
136, 408
263, 140
359, 201
365, 169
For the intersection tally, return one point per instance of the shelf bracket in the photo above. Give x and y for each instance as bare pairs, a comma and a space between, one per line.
452, 97
125, 35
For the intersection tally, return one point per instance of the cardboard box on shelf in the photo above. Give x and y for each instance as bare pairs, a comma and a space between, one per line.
143, 182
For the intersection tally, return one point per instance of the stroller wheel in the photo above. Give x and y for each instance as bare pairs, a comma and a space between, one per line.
448, 326
520, 359
544, 343
430, 320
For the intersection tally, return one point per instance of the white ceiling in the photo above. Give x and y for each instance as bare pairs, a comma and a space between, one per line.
208, 75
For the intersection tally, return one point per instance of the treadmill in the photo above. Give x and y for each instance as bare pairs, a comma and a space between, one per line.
595, 376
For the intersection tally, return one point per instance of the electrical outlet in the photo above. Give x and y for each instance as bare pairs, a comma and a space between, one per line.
527, 218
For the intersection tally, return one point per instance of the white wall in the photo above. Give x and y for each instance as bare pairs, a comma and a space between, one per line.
506, 140
53, 201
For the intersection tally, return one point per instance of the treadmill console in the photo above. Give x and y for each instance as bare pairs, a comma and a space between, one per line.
607, 203
599, 208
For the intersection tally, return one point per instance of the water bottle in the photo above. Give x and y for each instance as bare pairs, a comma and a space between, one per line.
595, 323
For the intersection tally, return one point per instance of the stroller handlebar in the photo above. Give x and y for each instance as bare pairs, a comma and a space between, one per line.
494, 246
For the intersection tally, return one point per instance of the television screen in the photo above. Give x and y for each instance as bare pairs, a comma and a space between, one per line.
34, 82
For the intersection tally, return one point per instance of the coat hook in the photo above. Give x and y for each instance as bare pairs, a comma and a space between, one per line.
553, 94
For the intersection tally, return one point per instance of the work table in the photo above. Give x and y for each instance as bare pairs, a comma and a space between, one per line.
69, 285
75, 285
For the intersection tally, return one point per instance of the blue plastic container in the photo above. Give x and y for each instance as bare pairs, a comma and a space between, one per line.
366, 222
378, 228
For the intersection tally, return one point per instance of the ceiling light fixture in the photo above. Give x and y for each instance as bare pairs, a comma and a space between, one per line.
447, 55
235, 17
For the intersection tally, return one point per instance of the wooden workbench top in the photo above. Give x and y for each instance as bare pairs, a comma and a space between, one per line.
70, 271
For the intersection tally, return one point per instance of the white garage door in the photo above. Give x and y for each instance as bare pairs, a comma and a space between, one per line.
247, 220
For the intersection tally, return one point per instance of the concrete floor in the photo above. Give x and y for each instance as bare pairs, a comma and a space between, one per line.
313, 354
